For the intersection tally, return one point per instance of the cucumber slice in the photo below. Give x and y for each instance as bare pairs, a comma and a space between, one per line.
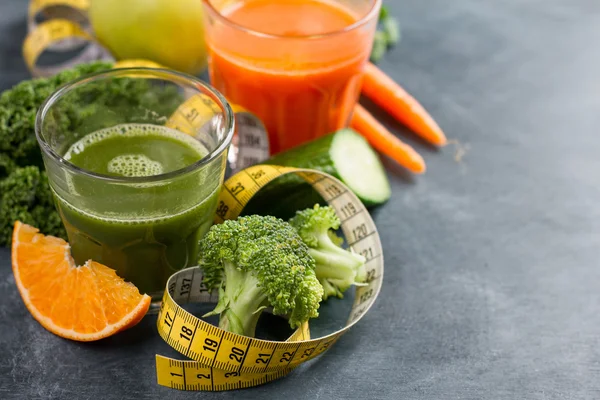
359, 167
344, 154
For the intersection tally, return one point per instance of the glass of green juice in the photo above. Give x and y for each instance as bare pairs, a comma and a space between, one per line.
135, 171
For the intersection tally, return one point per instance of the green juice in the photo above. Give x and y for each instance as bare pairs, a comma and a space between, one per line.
145, 230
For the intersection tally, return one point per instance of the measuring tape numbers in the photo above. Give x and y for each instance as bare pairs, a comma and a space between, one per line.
219, 360
250, 143
222, 360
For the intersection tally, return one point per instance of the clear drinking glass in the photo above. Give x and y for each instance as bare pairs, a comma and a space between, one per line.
135, 187
296, 64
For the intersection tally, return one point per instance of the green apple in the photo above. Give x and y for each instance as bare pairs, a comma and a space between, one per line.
169, 32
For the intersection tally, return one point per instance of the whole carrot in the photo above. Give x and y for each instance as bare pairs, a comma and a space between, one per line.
388, 95
384, 141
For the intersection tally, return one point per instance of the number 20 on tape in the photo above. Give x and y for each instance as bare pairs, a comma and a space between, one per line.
221, 360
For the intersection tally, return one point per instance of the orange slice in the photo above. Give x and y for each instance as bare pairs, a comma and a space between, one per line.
84, 303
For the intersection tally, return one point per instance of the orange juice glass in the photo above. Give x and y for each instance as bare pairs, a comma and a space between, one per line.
296, 64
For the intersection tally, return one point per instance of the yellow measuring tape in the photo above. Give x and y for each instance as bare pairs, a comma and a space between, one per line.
61, 30
219, 360
222, 360
250, 144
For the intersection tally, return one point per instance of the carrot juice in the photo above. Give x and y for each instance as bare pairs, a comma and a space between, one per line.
296, 64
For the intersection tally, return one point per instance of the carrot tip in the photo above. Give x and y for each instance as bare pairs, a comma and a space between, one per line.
419, 167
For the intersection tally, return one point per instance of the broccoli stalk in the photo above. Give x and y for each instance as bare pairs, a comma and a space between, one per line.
336, 268
257, 262
241, 301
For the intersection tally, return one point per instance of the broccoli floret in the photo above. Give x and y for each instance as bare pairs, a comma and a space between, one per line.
257, 262
337, 269
25, 196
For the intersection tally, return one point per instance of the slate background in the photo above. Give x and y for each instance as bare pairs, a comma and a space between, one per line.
492, 281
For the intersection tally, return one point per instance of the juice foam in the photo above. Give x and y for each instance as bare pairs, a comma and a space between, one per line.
135, 150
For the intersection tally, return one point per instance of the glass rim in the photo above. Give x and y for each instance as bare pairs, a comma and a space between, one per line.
374, 11
152, 73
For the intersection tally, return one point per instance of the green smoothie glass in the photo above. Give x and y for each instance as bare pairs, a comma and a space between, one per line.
134, 189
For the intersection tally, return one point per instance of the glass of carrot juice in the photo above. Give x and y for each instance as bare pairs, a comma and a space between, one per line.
296, 64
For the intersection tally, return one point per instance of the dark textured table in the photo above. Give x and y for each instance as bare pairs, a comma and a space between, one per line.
492, 286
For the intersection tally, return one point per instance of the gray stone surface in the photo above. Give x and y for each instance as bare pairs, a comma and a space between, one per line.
492, 284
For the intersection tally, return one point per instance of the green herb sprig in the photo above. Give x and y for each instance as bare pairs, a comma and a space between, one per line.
387, 34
